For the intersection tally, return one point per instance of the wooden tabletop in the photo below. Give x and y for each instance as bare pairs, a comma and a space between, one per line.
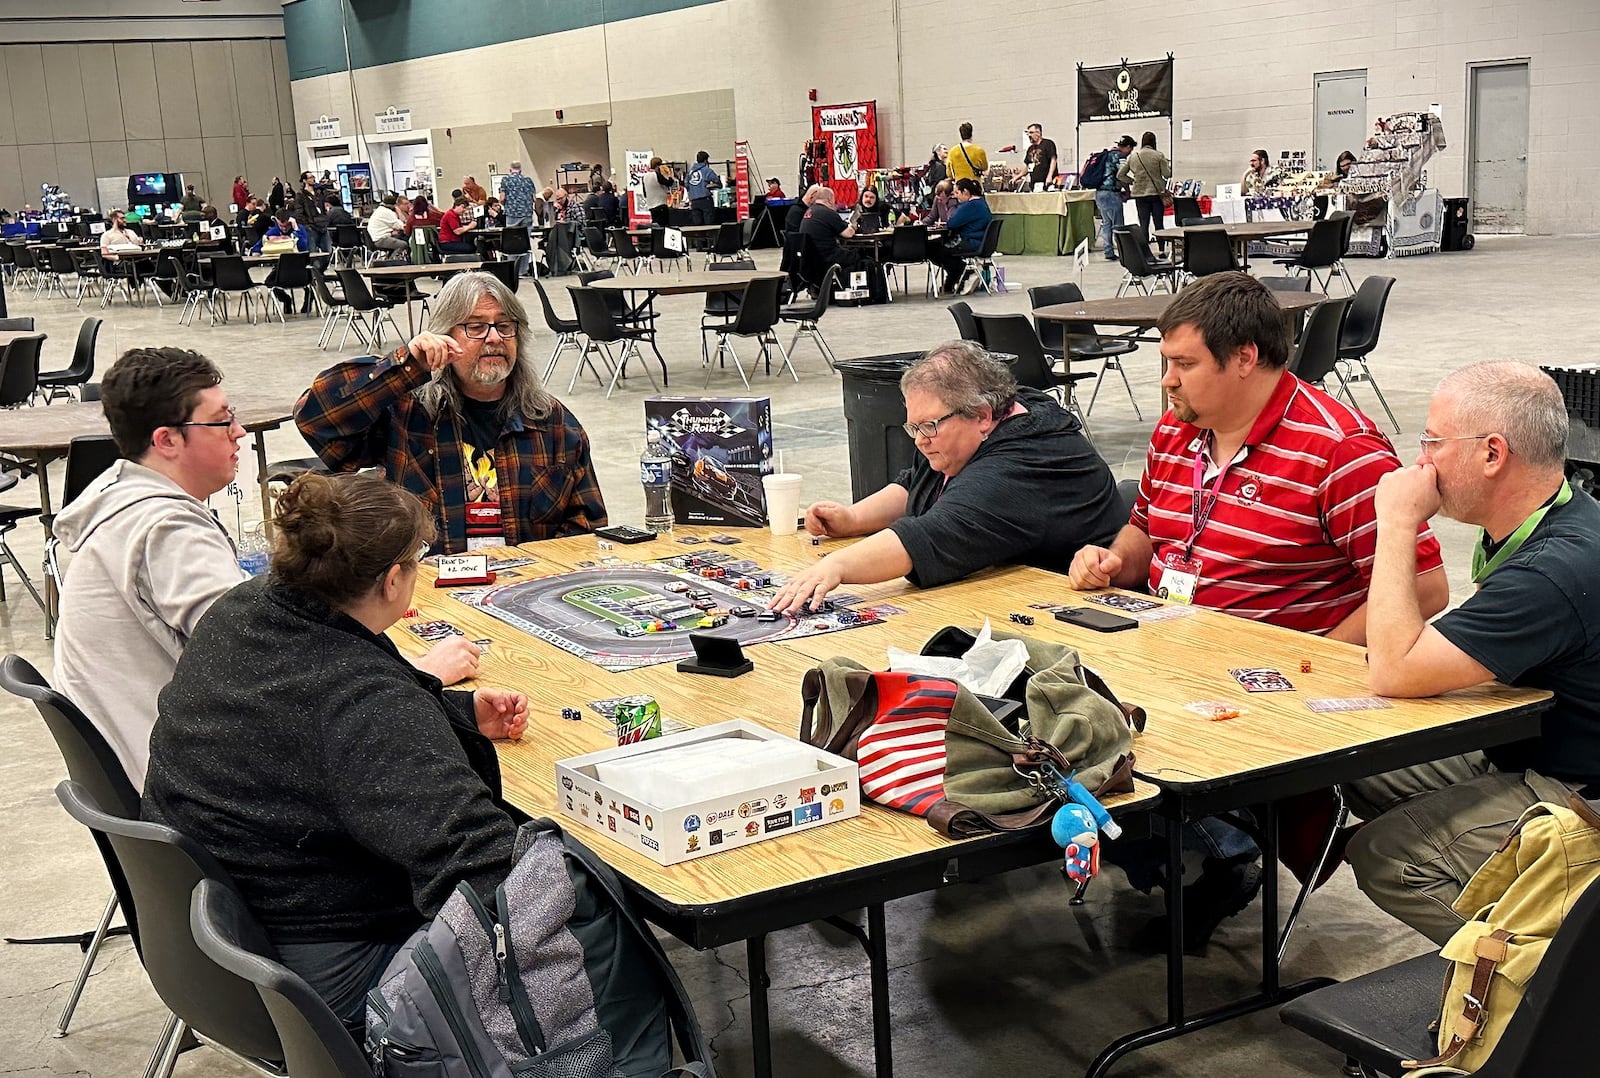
48, 429
9, 335
427, 270
1161, 666
1146, 311
1241, 230
249, 260
665, 284
687, 230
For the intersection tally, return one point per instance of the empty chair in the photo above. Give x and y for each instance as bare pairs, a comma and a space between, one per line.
89, 263
365, 306
335, 310
565, 329
22, 323
503, 269
1185, 209
8, 261
966, 325
230, 276
347, 243
805, 316
19, 370
1287, 284
908, 246
669, 248
1323, 255
1013, 334
167, 280
315, 1043
1139, 270
1189, 222
594, 238
27, 267
758, 314
729, 243
627, 252
1359, 337
601, 329
1316, 354
1079, 341
1207, 252
60, 266
93, 764
10, 516
55, 384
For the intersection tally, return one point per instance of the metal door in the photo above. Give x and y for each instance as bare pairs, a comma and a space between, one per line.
1498, 147
1340, 115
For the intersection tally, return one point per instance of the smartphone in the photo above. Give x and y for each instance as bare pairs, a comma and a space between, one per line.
625, 533
1101, 621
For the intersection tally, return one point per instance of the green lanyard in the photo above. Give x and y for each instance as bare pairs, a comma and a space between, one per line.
1482, 565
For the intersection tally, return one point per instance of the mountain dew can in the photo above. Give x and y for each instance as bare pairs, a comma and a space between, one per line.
638, 718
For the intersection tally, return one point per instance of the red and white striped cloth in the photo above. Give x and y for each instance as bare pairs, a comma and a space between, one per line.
901, 756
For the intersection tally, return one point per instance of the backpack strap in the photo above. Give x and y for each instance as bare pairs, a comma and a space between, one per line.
691, 1039
1491, 951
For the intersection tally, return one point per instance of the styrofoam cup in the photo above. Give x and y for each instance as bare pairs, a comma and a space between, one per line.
783, 501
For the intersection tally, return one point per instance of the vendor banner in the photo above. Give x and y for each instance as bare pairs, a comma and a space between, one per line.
741, 179
637, 162
850, 135
1125, 91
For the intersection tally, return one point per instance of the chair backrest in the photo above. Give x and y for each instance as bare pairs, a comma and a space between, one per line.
813, 267
8, 254
729, 239
1053, 335
87, 456
819, 305
747, 232
1324, 246
1129, 254
991, 239
1365, 320
515, 241
347, 237
758, 310
594, 238
61, 261
1287, 284
325, 294
22, 323
1013, 333
1127, 494
162, 868
594, 314
356, 294
966, 325
229, 274
505, 270
294, 270
19, 369
24, 253
554, 323
624, 244
908, 243
1205, 253
315, 1042
1185, 208
1318, 348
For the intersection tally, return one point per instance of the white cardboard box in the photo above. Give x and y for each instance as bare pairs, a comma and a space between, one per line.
671, 835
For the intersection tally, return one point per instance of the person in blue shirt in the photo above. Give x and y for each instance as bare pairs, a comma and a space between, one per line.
701, 181
285, 225
1108, 198
967, 226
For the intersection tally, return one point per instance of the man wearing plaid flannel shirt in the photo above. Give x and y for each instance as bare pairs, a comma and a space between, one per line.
460, 418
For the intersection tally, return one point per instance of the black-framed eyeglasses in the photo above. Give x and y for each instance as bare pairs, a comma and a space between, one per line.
224, 424
479, 331
930, 429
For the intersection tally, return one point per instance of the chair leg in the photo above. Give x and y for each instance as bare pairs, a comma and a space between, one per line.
1366, 375
1117, 363
1340, 818
88, 965
7, 555
165, 1056
771, 339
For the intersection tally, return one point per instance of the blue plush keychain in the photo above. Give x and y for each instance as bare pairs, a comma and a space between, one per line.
1076, 829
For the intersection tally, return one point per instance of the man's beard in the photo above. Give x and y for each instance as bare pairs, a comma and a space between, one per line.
484, 377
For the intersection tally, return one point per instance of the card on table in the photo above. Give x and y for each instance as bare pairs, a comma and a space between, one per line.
1130, 604
1261, 679
726, 540
1166, 613
1349, 703
435, 630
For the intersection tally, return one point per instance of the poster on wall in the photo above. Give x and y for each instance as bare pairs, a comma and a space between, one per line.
741, 179
850, 133
637, 163
1125, 91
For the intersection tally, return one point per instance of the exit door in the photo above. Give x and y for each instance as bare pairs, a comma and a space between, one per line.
1498, 140
1340, 121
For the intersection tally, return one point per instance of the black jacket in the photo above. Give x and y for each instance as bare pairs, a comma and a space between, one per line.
345, 792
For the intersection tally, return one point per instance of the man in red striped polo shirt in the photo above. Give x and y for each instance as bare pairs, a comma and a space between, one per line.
1257, 494
1256, 499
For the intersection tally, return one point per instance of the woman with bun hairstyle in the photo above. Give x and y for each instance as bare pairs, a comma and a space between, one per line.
344, 790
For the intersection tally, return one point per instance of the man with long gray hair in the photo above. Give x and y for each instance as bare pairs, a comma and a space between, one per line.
1493, 455
459, 417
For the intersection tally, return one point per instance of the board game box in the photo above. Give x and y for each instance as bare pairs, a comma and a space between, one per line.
721, 447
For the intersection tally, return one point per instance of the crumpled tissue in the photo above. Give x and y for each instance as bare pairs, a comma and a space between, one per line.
988, 668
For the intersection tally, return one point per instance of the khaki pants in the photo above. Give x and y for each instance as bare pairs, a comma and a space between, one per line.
1430, 828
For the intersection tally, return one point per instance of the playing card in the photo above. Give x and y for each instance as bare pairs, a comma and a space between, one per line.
1166, 613
1349, 703
690, 540
435, 630
1131, 604
1261, 679
497, 564
726, 540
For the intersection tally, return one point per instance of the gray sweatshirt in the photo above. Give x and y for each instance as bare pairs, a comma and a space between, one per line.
147, 561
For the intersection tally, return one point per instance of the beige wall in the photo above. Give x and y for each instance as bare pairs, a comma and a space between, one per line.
1244, 76
210, 109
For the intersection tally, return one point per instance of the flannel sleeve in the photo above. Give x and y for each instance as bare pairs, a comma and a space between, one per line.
344, 416
586, 510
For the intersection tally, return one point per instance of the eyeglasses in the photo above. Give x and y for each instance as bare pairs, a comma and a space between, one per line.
930, 429
479, 331
224, 424
1428, 441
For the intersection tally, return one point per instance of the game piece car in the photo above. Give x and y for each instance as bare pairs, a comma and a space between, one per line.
742, 611
631, 631
713, 572
768, 615
677, 587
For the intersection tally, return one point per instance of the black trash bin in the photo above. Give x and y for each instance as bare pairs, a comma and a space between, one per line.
874, 414
1457, 225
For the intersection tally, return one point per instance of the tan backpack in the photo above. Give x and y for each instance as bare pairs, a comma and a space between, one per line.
1517, 902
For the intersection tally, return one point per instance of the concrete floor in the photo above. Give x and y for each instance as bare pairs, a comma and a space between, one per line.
996, 977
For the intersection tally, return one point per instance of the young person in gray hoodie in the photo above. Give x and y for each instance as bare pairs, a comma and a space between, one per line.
148, 558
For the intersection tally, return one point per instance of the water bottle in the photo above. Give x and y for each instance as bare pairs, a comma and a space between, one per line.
655, 473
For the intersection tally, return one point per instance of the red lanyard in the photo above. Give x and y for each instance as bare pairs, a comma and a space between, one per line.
1202, 501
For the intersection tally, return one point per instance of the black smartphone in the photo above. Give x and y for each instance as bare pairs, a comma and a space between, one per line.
625, 533
1101, 621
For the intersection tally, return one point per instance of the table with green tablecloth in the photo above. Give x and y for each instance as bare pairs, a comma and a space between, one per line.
1043, 223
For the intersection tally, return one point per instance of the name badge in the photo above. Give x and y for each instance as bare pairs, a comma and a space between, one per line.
1179, 577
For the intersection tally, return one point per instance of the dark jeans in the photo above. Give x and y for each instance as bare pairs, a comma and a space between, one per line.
705, 212
459, 247
1150, 208
342, 974
952, 260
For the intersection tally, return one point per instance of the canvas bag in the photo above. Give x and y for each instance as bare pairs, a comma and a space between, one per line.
554, 977
1517, 902
927, 746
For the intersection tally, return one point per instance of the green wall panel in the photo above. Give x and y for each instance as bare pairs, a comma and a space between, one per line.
389, 31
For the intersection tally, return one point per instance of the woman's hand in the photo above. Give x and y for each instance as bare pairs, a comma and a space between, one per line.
501, 714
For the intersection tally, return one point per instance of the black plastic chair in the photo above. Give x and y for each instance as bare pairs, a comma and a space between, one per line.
315, 1042
1322, 258
87, 456
1360, 336
1013, 334
161, 868
966, 325
1133, 253
1316, 354
1080, 341
1185, 208
55, 384
366, 307
504, 271
293, 272
983, 258
10, 516
347, 243
758, 315
230, 276
21, 323
59, 266
908, 246
600, 326
1287, 284
594, 238
626, 251
1380, 1019
729, 243
335, 310
19, 370
1206, 252
565, 329
1127, 494
805, 316
93, 764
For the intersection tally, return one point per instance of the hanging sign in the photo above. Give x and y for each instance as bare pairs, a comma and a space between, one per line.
1125, 91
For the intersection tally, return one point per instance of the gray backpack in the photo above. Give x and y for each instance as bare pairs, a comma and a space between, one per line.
558, 979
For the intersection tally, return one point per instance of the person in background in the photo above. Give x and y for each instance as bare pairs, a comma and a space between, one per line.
275, 196
474, 190
968, 225
700, 182
455, 228
338, 216
871, 214
597, 178
544, 207
968, 160
797, 211
611, 215
241, 192
285, 225
943, 205
1108, 197
385, 227
1342, 167
119, 233
385, 791
1040, 158
823, 226
935, 170
658, 184
1147, 173
1258, 177
191, 203
774, 189
516, 192
423, 214
1004, 475
494, 213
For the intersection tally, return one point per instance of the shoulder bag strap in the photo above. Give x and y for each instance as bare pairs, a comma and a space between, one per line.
1491, 951
963, 148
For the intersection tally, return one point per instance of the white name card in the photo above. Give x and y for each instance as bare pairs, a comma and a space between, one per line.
463, 568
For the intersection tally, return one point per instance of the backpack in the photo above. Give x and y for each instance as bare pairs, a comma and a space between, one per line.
1094, 171
558, 978
1516, 902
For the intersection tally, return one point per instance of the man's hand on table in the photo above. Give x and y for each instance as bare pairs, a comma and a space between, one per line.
451, 660
810, 586
830, 519
1094, 567
501, 714
434, 351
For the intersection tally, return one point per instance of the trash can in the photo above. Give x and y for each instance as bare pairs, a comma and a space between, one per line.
1457, 225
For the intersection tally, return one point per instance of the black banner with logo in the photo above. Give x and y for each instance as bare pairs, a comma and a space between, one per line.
1125, 91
